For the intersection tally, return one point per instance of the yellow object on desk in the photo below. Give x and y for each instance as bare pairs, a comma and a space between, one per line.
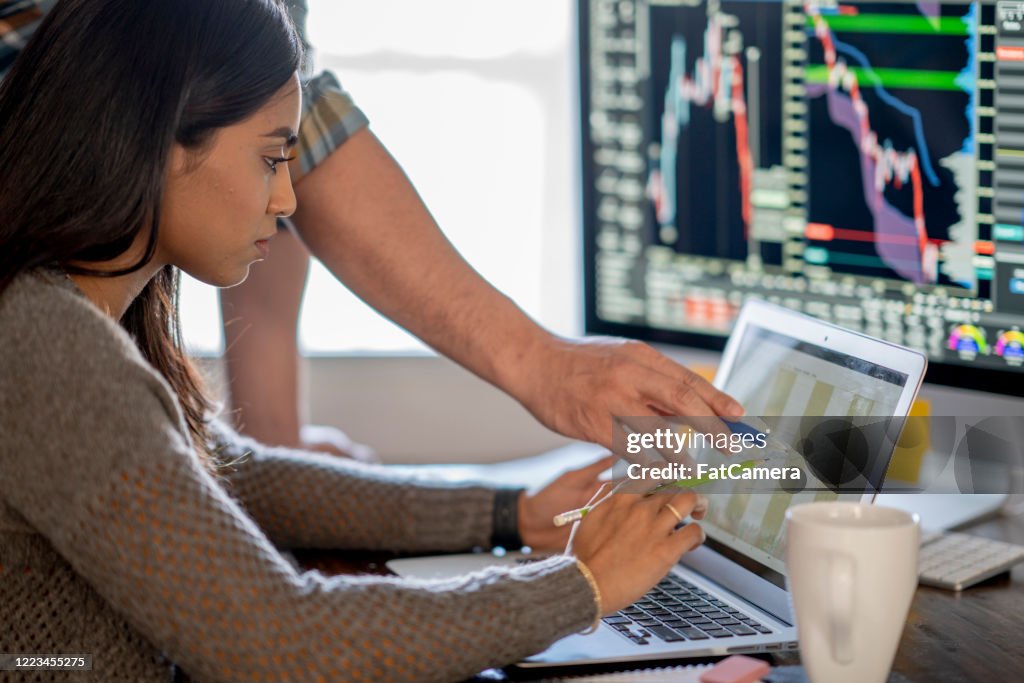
705, 371
905, 466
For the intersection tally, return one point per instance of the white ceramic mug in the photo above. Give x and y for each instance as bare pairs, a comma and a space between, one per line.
852, 571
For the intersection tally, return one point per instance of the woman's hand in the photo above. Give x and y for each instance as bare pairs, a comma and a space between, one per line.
630, 542
570, 491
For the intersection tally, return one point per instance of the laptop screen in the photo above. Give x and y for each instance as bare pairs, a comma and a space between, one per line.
775, 375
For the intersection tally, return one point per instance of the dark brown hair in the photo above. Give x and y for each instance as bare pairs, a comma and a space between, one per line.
88, 116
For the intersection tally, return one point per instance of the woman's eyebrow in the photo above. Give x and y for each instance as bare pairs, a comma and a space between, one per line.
284, 132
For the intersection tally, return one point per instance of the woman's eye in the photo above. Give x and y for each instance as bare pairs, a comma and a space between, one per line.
272, 162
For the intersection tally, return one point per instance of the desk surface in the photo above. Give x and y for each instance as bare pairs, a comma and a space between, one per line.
976, 635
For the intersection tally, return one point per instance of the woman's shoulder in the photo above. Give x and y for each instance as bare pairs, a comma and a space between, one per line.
52, 334
43, 313
70, 376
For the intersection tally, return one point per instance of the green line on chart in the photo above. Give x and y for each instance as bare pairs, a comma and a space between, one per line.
888, 23
913, 79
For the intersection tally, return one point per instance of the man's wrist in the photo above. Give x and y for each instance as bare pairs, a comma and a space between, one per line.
521, 361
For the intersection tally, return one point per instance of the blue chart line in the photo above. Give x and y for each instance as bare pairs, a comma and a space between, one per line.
895, 103
966, 79
674, 104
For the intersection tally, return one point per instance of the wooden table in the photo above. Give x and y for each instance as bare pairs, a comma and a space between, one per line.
970, 637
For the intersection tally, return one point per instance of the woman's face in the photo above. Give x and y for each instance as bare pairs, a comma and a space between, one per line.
218, 214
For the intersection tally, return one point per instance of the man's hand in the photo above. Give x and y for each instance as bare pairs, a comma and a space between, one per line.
576, 387
333, 441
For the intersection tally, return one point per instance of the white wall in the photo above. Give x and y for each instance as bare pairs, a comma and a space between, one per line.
422, 409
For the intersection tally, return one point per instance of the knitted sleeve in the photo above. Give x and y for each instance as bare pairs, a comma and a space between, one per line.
100, 464
309, 500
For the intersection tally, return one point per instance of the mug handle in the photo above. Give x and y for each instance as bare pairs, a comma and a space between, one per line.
840, 604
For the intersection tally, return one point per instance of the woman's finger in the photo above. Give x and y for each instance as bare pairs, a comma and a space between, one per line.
671, 511
700, 507
685, 539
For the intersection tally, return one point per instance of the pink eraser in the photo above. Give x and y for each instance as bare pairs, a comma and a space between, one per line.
736, 669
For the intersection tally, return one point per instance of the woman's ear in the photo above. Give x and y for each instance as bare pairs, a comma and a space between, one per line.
180, 161
183, 161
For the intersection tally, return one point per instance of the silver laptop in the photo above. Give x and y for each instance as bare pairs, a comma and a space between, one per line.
729, 596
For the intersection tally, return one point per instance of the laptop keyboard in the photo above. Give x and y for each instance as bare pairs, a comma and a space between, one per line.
677, 610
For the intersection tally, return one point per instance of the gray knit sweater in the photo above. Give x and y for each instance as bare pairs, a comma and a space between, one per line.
115, 542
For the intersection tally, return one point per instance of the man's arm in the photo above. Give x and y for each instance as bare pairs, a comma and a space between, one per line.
361, 216
261, 351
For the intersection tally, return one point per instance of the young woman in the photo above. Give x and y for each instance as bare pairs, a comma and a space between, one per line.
138, 139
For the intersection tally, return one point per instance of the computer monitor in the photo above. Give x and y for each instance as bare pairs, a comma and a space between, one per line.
862, 162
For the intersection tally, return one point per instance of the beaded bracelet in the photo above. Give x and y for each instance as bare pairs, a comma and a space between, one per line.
585, 570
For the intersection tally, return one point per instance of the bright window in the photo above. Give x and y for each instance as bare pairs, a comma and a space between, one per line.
476, 100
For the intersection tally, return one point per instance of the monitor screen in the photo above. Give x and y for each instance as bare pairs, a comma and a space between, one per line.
861, 162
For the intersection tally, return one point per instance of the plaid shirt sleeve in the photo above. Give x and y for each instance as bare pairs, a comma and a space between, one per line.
18, 20
329, 116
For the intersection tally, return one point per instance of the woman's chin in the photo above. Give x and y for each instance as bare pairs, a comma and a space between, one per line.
224, 279
236, 280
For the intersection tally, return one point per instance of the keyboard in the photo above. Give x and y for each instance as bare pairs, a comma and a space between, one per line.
677, 610
956, 561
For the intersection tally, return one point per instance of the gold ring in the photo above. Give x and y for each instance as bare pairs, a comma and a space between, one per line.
674, 512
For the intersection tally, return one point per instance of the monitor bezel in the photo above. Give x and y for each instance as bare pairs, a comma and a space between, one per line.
939, 372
